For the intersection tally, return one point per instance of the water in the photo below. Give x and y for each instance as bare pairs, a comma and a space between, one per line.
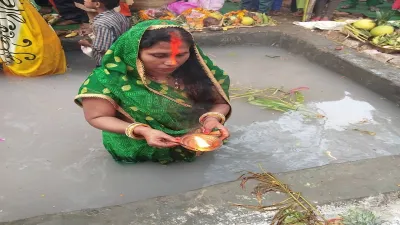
52, 161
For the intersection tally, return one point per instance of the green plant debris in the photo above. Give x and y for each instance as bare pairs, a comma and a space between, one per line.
360, 217
276, 99
294, 210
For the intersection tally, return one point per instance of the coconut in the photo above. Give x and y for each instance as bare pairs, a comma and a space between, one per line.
365, 24
382, 30
247, 21
210, 21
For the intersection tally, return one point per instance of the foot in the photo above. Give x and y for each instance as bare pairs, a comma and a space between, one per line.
275, 13
373, 9
348, 7
316, 18
325, 19
298, 13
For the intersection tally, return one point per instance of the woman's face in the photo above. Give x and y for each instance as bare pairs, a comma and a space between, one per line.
160, 60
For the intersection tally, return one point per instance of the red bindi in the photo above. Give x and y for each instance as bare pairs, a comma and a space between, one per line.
175, 43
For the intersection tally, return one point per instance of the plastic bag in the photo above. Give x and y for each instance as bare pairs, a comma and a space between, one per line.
87, 51
179, 7
209, 4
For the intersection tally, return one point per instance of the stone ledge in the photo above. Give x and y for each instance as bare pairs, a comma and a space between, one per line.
212, 205
379, 77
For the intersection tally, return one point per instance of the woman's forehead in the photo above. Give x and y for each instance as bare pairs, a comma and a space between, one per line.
166, 46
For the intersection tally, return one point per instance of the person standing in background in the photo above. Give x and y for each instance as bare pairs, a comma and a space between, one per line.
324, 9
263, 6
370, 3
276, 8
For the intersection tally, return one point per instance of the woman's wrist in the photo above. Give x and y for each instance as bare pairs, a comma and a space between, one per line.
136, 130
215, 115
211, 118
141, 130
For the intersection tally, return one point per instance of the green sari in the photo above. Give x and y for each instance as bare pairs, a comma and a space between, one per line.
121, 80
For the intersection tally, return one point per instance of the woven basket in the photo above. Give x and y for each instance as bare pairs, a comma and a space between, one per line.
388, 50
146, 4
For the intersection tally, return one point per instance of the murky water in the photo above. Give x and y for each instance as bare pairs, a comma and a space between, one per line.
52, 161
289, 141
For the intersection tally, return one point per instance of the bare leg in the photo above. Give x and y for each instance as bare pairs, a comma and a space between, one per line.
332, 6
319, 7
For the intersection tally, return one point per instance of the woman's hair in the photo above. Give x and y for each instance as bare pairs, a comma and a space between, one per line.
198, 85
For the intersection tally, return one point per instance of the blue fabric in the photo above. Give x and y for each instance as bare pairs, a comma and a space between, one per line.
263, 6
251, 5
277, 5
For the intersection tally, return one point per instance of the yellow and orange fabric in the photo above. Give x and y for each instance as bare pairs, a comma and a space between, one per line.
28, 45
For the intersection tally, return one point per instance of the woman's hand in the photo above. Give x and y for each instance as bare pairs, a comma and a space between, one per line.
211, 123
156, 138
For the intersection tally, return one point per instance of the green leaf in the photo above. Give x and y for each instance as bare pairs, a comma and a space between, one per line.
299, 97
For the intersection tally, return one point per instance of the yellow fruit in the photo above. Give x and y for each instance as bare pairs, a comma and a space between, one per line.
247, 21
216, 15
365, 24
382, 30
72, 34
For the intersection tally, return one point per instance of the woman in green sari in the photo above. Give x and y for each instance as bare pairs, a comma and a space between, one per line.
154, 86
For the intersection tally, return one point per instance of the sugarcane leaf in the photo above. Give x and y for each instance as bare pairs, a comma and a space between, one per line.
299, 97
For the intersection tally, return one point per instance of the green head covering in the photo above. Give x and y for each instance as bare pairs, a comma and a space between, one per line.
121, 80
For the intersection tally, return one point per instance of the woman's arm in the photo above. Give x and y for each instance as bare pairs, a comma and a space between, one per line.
101, 114
223, 108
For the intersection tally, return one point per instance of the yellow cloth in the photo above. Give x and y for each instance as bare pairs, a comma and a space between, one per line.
35, 49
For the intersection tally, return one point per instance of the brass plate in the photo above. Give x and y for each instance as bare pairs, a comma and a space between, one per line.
189, 142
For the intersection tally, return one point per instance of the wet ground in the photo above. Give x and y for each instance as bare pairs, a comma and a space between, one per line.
52, 161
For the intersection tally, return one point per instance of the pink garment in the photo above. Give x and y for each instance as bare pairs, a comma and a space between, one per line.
209, 4
179, 7
396, 5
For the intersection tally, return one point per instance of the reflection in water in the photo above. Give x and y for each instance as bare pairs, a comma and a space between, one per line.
294, 142
340, 114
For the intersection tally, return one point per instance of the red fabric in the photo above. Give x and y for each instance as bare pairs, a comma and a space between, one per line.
125, 9
396, 5
53, 4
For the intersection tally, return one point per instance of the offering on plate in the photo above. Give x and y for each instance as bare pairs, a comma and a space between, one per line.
201, 142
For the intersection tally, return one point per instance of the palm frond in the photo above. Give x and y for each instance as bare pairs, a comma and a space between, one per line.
295, 209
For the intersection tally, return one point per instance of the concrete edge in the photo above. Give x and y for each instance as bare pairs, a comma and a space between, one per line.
212, 205
379, 77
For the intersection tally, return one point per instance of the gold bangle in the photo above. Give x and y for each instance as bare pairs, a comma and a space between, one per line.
212, 114
129, 131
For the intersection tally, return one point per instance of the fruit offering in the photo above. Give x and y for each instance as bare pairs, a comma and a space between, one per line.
246, 18
152, 14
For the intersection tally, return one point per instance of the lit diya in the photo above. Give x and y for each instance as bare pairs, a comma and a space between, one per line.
201, 142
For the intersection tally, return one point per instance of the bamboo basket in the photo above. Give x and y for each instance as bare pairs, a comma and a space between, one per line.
386, 49
147, 4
